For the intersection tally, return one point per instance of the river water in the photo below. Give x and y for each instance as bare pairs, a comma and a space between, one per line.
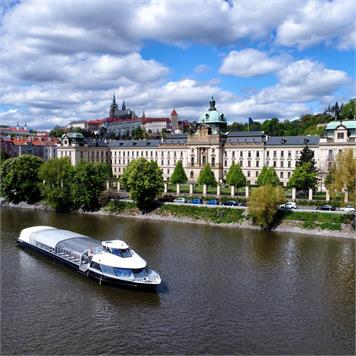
225, 291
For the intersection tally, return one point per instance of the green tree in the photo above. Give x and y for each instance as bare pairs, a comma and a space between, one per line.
307, 156
19, 179
268, 175
263, 204
348, 110
342, 174
235, 176
304, 177
178, 175
57, 132
138, 133
88, 182
207, 176
3, 156
143, 180
56, 176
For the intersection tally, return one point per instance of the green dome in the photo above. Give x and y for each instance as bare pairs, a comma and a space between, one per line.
75, 135
212, 116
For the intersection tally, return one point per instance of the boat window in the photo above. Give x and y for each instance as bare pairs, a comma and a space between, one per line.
95, 265
115, 271
142, 272
121, 253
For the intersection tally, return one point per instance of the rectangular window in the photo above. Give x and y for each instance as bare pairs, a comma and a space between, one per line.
289, 164
289, 154
256, 174
248, 173
249, 164
257, 154
249, 154
340, 135
241, 154
267, 153
257, 163
288, 174
281, 174
274, 164
282, 164
274, 154
241, 163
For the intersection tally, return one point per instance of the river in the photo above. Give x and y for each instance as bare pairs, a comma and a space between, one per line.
225, 291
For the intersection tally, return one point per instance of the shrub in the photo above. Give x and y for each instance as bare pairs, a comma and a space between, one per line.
263, 204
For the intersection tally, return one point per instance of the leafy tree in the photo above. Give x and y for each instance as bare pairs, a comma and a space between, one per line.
19, 179
207, 176
348, 111
343, 174
3, 156
268, 175
304, 177
138, 133
235, 176
88, 182
178, 175
143, 180
263, 204
56, 176
57, 132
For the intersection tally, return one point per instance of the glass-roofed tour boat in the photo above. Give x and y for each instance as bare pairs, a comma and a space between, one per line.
108, 261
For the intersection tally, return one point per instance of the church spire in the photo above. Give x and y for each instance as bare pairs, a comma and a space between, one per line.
123, 105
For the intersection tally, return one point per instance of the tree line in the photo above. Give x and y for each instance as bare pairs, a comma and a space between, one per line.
308, 124
56, 182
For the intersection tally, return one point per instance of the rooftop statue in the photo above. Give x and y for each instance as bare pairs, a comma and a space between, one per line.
212, 104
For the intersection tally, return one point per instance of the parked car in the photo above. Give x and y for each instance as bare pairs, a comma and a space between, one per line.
289, 205
348, 209
325, 207
242, 204
229, 203
179, 200
196, 201
213, 202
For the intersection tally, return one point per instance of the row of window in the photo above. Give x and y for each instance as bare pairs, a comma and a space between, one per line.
145, 154
257, 164
282, 154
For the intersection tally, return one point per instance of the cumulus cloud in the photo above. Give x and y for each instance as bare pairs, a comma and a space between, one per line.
62, 60
251, 62
320, 21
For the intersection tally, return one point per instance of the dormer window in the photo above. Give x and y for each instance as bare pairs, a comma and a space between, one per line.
340, 135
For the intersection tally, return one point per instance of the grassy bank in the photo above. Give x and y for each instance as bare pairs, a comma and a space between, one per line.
306, 220
312, 220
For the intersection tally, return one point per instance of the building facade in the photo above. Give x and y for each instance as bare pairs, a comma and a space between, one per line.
252, 150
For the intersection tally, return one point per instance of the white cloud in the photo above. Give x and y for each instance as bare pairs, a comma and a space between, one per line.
251, 62
320, 22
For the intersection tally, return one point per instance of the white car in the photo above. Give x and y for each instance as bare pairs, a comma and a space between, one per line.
179, 200
348, 209
289, 205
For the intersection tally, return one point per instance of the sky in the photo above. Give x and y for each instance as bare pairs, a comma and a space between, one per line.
62, 60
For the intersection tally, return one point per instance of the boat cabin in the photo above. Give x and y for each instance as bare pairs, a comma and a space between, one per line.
118, 248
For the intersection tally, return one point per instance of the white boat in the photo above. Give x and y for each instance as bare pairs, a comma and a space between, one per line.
108, 261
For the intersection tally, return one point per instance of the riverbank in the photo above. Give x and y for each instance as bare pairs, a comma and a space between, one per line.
295, 222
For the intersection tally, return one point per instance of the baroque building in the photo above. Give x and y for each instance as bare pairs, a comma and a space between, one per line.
210, 144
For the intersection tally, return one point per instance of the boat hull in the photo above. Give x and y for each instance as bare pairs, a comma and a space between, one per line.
89, 273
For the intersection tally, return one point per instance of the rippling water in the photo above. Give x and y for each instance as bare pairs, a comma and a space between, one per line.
225, 291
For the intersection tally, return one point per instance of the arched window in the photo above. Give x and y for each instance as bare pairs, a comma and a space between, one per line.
213, 161
192, 161
191, 174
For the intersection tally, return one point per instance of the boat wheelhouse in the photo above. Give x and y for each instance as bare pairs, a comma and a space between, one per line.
109, 261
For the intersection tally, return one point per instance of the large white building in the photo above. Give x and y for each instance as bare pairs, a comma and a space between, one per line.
252, 149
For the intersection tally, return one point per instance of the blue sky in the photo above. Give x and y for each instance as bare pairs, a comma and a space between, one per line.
61, 60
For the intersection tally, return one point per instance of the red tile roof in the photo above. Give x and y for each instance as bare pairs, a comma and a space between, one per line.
155, 119
174, 112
